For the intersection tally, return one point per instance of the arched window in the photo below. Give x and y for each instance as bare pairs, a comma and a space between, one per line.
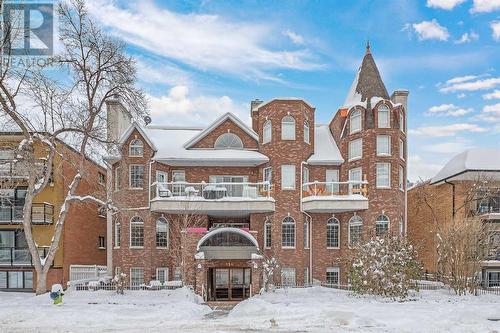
161, 232
355, 229
288, 232
228, 141
136, 148
288, 128
267, 132
136, 232
381, 225
383, 116
306, 132
355, 121
227, 238
333, 233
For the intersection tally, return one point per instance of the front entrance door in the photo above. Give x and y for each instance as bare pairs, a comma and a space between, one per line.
229, 283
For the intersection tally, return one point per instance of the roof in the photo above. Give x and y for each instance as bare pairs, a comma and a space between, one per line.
367, 82
283, 99
469, 161
326, 151
216, 123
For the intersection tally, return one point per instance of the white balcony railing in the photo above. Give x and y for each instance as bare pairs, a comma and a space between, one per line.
334, 197
210, 191
334, 189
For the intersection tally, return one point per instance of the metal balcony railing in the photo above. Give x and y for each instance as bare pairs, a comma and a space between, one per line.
210, 191
41, 213
334, 189
19, 256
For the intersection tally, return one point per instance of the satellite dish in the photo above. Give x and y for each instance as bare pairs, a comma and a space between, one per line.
147, 120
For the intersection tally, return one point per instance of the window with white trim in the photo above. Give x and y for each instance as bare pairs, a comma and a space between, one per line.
162, 274
161, 176
383, 145
136, 232
305, 177
288, 232
332, 176
306, 276
228, 141
306, 132
118, 178
288, 277
401, 149
355, 121
267, 132
355, 229
118, 234
136, 176
401, 178
288, 128
101, 178
383, 116
355, 149
356, 174
267, 234
288, 177
381, 225
162, 233
268, 174
136, 276
136, 148
306, 234
401, 121
333, 233
178, 176
333, 276
102, 242
177, 274
383, 175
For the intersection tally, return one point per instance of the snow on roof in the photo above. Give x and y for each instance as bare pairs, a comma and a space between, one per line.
283, 99
469, 160
325, 148
170, 149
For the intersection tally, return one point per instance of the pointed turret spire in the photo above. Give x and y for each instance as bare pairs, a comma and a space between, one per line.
367, 83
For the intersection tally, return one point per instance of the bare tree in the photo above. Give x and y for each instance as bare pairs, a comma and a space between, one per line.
97, 70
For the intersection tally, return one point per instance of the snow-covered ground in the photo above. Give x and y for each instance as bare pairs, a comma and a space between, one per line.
294, 310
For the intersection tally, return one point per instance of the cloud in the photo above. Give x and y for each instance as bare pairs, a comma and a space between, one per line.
447, 130
460, 79
177, 107
295, 38
160, 72
470, 85
451, 147
431, 30
461, 95
495, 28
418, 168
201, 41
490, 114
448, 110
444, 4
467, 38
485, 6
492, 95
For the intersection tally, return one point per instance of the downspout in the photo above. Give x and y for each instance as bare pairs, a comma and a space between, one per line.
452, 201
310, 221
149, 181
109, 220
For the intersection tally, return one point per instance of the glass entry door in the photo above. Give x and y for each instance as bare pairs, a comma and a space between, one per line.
230, 283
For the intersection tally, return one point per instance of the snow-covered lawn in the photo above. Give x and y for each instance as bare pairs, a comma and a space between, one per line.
294, 310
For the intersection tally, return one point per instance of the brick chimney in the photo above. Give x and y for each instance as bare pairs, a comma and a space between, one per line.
118, 119
400, 96
254, 113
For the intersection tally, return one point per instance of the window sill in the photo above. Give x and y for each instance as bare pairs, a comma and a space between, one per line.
135, 156
354, 159
354, 132
333, 248
162, 247
136, 247
384, 155
136, 188
267, 248
101, 248
383, 187
287, 189
288, 247
116, 247
283, 139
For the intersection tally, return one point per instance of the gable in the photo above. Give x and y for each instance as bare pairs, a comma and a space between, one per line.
228, 125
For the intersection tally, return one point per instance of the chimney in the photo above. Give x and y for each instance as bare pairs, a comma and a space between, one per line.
400, 96
253, 113
118, 119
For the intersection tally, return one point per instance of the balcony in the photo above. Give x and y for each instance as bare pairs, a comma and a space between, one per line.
19, 256
41, 213
489, 208
15, 169
334, 197
218, 199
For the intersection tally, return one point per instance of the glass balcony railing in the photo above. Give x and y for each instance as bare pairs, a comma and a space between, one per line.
210, 191
17, 256
41, 213
334, 189
11, 168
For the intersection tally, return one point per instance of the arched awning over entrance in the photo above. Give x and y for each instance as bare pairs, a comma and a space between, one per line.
227, 243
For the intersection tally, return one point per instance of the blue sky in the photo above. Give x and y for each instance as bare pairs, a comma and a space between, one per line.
197, 60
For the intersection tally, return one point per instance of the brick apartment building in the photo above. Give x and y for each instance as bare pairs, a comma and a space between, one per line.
84, 233
449, 195
208, 205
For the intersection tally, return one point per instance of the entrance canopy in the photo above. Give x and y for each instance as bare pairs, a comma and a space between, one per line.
227, 243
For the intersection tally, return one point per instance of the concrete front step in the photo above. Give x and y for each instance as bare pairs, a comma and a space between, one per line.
222, 305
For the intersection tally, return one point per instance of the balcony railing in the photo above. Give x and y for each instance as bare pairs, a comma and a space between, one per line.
19, 256
41, 213
16, 169
334, 189
210, 191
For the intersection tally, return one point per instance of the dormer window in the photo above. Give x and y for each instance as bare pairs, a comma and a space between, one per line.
136, 148
306, 131
355, 121
383, 116
288, 128
267, 132
228, 141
